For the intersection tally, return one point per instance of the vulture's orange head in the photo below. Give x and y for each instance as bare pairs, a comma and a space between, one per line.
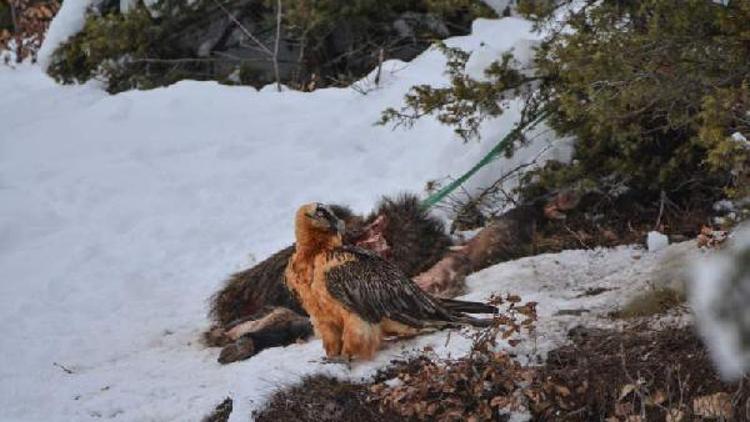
318, 220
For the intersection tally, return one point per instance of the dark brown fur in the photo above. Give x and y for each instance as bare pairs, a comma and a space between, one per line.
416, 239
247, 292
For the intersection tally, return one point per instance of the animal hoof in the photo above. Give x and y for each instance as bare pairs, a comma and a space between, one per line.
241, 349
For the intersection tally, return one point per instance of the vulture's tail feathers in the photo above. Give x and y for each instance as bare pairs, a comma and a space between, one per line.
467, 307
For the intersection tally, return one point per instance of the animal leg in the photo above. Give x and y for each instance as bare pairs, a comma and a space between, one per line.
360, 339
278, 317
331, 336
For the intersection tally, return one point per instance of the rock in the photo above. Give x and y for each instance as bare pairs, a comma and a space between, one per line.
409, 24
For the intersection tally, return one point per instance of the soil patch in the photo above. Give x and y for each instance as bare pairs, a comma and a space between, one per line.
636, 374
321, 398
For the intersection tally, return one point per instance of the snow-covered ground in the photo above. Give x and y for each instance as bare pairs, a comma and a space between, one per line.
120, 215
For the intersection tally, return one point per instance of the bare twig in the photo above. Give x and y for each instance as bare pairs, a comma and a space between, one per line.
497, 185
447, 339
236, 57
508, 197
577, 236
738, 394
13, 17
681, 385
637, 383
174, 61
244, 30
276, 46
661, 209
381, 55
66, 370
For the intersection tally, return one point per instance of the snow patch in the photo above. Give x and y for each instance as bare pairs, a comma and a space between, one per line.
493, 44
656, 241
68, 22
739, 137
724, 205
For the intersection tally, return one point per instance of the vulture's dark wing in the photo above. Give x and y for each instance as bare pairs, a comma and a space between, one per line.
374, 289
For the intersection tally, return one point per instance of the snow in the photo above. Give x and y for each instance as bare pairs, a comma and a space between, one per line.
493, 47
656, 241
724, 205
578, 287
741, 139
120, 215
68, 22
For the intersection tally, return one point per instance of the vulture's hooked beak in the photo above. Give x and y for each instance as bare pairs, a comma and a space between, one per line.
335, 224
338, 226
326, 218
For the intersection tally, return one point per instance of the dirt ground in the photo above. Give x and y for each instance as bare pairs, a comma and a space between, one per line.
323, 399
635, 374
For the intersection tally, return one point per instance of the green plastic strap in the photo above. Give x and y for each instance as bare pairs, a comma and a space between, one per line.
438, 196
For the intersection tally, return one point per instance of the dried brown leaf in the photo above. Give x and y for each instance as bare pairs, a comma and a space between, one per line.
562, 390
626, 390
717, 405
657, 398
674, 415
623, 408
500, 401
